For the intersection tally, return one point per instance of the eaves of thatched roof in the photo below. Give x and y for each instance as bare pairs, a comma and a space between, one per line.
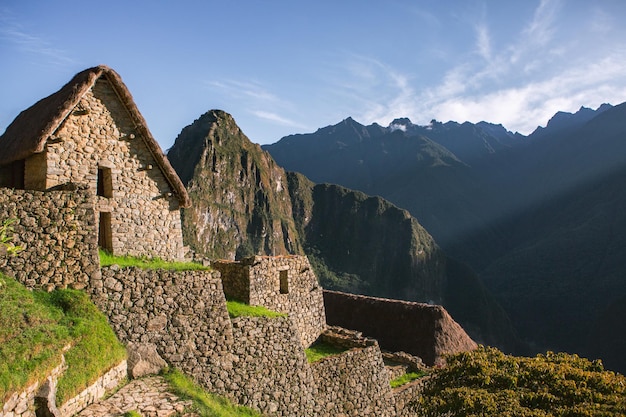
30, 130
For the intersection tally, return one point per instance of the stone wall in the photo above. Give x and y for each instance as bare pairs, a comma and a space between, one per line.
40, 397
57, 231
235, 279
183, 313
22, 404
354, 383
271, 373
423, 330
283, 283
407, 397
103, 385
100, 140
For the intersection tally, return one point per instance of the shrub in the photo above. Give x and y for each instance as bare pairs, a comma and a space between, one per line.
6, 237
488, 382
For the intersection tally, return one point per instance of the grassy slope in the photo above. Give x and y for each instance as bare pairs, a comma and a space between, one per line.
36, 326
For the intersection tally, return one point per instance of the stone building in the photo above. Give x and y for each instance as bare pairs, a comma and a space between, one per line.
91, 133
281, 283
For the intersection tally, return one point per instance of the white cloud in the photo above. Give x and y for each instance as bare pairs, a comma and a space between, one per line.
520, 85
275, 118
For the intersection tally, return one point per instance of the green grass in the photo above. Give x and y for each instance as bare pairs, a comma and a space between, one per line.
107, 259
204, 403
34, 328
406, 378
239, 309
132, 413
320, 350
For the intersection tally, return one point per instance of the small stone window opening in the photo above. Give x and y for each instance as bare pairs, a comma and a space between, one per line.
105, 182
105, 238
284, 282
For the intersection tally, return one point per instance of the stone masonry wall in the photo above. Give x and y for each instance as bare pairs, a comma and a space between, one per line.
235, 279
103, 385
423, 330
58, 233
145, 218
354, 383
183, 313
284, 283
271, 374
22, 404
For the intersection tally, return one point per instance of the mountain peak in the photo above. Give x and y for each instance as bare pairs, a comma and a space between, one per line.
563, 120
400, 124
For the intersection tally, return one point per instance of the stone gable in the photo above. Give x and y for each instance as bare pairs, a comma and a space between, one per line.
98, 146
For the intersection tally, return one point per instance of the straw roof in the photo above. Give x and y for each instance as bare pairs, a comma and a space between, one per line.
30, 130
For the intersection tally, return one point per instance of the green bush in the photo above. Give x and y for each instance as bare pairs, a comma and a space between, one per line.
487, 382
6, 237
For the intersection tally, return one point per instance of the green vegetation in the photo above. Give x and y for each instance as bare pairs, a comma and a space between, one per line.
6, 237
204, 403
487, 382
320, 350
239, 309
132, 413
36, 326
107, 259
406, 378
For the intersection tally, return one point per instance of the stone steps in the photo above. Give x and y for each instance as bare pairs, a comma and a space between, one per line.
149, 396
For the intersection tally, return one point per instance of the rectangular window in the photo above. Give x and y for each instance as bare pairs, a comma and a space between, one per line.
105, 183
105, 239
284, 282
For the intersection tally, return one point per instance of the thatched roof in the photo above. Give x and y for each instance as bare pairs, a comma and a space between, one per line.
30, 130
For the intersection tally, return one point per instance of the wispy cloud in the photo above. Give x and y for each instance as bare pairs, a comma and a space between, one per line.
520, 85
14, 34
273, 117
250, 90
259, 101
483, 41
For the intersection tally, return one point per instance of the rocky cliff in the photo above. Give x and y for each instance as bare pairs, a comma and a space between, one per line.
244, 203
240, 202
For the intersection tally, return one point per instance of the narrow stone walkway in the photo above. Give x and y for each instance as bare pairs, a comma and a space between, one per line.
148, 396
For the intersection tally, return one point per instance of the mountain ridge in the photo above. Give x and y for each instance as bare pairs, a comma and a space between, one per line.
355, 242
498, 193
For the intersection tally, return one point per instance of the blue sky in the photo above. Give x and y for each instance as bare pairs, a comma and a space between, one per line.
283, 67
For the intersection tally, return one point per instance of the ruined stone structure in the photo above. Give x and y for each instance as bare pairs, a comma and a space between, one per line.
420, 329
284, 283
91, 133
259, 362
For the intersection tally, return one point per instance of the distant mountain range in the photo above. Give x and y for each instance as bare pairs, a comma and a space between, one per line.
243, 203
541, 218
